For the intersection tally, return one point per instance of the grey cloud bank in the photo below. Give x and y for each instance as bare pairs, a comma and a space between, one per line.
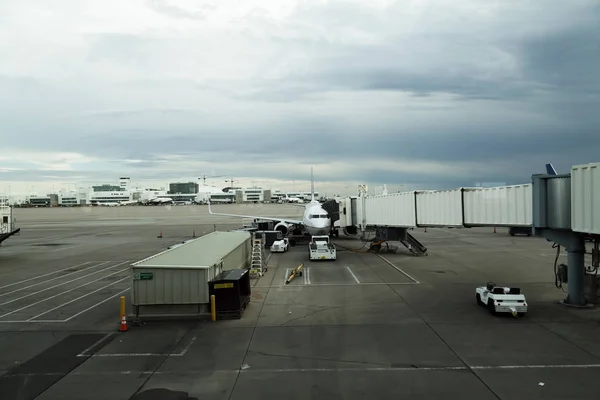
433, 93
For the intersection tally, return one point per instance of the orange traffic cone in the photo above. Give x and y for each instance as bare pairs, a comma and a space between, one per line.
123, 327
425, 229
160, 235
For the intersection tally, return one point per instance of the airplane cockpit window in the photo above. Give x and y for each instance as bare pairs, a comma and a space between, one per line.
323, 215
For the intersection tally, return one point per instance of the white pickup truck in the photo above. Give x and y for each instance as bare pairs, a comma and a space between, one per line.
320, 248
280, 246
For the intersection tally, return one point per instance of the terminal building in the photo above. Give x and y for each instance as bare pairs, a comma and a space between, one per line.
240, 195
112, 194
183, 191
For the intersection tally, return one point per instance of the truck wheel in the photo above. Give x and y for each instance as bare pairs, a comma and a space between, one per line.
478, 298
490, 306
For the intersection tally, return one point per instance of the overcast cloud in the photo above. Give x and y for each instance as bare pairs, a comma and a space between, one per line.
430, 94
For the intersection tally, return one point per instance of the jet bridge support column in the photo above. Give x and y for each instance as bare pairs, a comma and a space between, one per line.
576, 271
552, 219
574, 243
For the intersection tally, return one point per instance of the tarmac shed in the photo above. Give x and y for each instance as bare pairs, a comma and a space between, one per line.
175, 282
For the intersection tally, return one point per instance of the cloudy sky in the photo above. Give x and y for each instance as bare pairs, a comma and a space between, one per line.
420, 93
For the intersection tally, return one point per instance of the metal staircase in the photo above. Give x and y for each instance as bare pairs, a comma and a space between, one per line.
413, 245
257, 264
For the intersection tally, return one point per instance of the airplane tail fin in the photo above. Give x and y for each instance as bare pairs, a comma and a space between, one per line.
550, 170
312, 185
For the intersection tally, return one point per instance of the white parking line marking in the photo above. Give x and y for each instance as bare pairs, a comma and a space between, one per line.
80, 297
94, 306
64, 283
180, 354
352, 273
66, 248
338, 284
53, 279
86, 351
287, 273
308, 281
296, 370
61, 293
396, 268
41, 276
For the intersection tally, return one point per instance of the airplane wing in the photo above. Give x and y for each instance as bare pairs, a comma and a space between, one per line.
285, 220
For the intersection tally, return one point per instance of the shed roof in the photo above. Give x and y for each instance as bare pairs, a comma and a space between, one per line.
204, 251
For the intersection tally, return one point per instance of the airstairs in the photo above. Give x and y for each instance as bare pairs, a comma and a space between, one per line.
257, 265
413, 245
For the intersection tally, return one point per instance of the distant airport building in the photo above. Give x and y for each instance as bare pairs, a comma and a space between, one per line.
183, 191
183, 188
109, 194
39, 201
242, 195
187, 192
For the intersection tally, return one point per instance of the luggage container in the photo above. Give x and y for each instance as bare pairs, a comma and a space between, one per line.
232, 293
175, 282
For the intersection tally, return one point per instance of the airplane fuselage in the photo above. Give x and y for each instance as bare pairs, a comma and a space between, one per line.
316, 220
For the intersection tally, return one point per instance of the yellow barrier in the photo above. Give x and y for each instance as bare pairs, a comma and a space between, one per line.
294, 273
213, 308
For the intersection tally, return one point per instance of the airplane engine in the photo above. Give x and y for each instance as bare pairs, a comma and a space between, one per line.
350, 230
283, 228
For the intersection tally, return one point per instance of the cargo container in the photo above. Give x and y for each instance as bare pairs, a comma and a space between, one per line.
175, 282
509, 206
441, 207
585, 198
394, 210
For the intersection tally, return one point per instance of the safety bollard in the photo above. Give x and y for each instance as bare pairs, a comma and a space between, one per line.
123, 327
213, 308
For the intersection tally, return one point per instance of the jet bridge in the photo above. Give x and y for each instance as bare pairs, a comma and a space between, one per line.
7, 223
561, 208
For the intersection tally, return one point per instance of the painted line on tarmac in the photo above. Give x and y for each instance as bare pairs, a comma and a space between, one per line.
352, 273
64, 292
71, 317
53, 279
85, 295
61, 284
95, 305
313, 370
48, 274
397, 269
182, 353
339, 284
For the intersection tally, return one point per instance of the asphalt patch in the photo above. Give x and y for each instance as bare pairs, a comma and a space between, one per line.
162, 394
49, 244
32, 378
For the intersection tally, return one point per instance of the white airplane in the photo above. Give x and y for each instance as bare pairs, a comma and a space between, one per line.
315, 221
107, 204
289, 199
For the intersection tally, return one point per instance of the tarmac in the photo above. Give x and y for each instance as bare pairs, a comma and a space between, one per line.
367, 325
